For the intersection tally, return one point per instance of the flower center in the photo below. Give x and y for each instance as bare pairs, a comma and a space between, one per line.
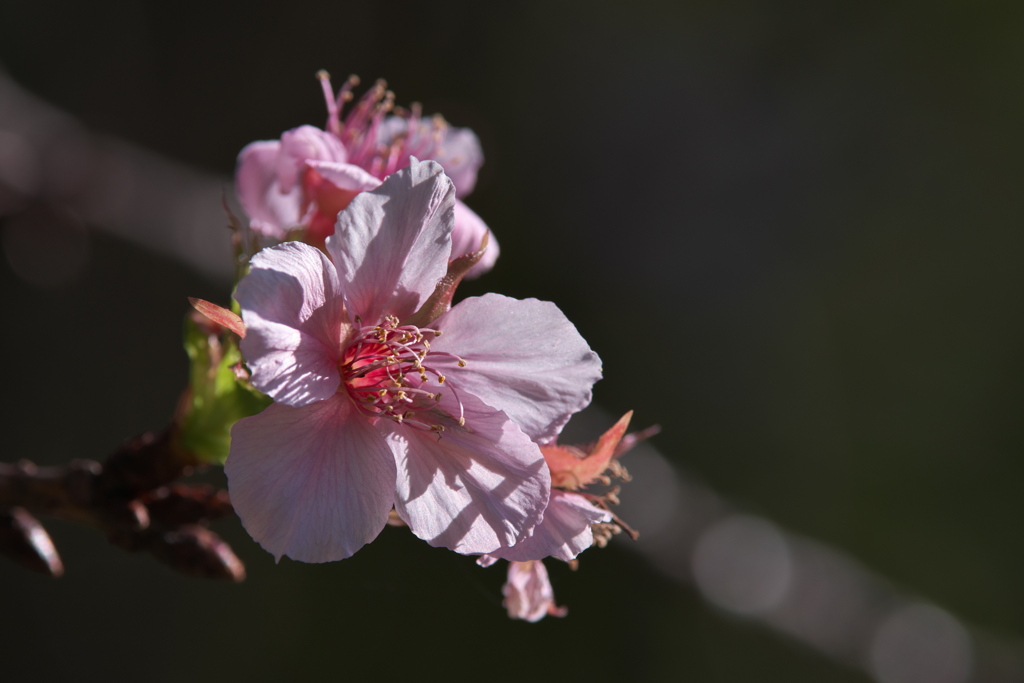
385, 371
378, 147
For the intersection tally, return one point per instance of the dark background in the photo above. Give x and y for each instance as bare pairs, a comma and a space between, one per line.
793, 232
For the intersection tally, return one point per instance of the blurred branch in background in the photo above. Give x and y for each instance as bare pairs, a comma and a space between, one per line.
56, 177
751, 567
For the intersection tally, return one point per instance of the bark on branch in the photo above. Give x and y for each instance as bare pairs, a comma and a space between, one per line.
131, 497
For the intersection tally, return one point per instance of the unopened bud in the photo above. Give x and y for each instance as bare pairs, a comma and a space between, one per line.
197, 551
24, 540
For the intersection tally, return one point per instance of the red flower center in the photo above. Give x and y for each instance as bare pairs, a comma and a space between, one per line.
385, 372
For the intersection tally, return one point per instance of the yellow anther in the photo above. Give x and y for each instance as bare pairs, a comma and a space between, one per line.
462, 363
441, 379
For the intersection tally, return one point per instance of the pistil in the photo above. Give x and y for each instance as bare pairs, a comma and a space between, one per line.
385, 372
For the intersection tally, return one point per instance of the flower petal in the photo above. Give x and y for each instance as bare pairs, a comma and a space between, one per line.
456, 149
302, 144
271, 212
528, 592
461, 156
522, 357
314, 483
294, 322
329, 187
573, 469
345, 176
474, 489
466, 238
392, 244
563, 534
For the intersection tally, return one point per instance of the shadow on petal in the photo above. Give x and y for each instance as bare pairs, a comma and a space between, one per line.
473, 489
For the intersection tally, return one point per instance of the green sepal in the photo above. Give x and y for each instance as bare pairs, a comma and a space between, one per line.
217, 396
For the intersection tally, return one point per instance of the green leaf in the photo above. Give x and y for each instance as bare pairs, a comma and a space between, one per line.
219, 398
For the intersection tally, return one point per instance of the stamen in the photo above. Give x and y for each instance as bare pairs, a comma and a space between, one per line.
335, 103
333, 111
385, 370
360, 132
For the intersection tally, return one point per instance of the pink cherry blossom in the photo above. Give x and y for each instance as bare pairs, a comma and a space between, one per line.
382, 399
528, 592
271, 179
383, 144
303, 181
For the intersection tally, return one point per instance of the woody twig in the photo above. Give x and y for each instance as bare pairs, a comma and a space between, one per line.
132, 497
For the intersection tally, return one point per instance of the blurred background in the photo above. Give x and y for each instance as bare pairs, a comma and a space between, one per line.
793, 233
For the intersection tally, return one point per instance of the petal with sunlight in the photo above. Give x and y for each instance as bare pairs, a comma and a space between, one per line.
473, 489
314, 483
392, 244
294, 323
522, 357
563, 534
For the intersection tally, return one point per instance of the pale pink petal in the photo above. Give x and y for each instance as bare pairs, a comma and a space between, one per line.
486, 560
564, 532
456, 149
461, 156
473, 489
314, 483
522, 357
391, 127
329, 187
345, 176
271, 212
392, 244
468, 235
294, 323
303, 144
528, 592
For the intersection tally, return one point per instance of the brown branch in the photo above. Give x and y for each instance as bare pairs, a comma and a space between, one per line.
131, 497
